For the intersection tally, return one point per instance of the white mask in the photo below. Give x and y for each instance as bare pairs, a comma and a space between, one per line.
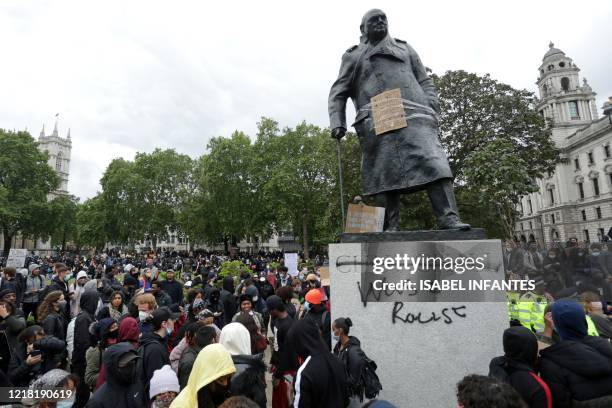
142, 316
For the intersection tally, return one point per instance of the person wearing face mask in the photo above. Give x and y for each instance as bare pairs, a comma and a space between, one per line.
348, 350
316, 311
50, 314
283, 278
120, 390
209, 381
216, 307
153, 350
34, 286
75, 290
321, 379
594, 308
105, 332
164, 388
54, 379
82, 341
553, 271
145, 304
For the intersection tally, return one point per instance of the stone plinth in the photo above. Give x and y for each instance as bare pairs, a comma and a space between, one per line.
422, 348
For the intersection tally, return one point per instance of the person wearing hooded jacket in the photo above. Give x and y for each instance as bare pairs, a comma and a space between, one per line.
228, 299
153, 350
208, 384
105, 332
348, 350
517, 367
120, 390
82, 341
214, 304
128, 332
250, 377
321, 379
579, 367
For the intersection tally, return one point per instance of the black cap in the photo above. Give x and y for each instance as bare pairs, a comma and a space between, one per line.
275, 303
162, 314
8, 290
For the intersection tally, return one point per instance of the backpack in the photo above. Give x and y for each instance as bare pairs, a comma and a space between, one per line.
369, 379
368, 382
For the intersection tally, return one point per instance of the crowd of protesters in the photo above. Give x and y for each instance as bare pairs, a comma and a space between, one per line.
174, 330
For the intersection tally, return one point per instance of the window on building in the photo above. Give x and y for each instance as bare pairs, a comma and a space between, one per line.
583, 212
595, 187
573, 110
522, 227
551, 195
530, 206
577, 163
598, 212
601, 234
530, 225
580, 190
590, 156
58, 162
565, 82
586, 235
607, 151
552, 218
562, 64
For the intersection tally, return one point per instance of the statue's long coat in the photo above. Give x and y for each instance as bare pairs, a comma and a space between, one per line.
404, 159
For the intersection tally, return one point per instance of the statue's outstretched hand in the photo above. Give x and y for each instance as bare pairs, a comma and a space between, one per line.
338, 133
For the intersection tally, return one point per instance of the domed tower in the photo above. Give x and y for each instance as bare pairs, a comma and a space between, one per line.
563, 99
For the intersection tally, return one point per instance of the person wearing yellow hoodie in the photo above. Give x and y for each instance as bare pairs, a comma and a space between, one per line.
209, 381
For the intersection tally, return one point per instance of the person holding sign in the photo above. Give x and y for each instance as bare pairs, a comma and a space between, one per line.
397, 123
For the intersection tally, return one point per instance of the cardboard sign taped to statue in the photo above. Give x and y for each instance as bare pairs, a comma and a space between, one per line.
388, 111
364, 218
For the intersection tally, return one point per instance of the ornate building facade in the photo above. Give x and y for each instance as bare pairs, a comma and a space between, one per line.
59, 150
576, 199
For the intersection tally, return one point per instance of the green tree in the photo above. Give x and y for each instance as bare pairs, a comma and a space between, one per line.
92, 220
227, 205
144, 198
497, 145
302, 180
64, 211
25, 182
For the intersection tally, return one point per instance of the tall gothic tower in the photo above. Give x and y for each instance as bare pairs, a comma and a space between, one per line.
569, 104
59, 150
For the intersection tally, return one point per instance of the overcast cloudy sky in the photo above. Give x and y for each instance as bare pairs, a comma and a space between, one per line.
130, 76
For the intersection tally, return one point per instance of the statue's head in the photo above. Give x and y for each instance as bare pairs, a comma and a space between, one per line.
374, 26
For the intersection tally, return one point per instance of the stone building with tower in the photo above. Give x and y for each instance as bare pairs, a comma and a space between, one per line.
59, 150
576, 199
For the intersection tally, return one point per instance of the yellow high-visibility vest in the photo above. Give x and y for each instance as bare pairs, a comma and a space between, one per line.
591, 329
537, 314
512, 302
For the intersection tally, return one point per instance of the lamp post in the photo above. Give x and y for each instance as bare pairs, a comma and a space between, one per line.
607, 109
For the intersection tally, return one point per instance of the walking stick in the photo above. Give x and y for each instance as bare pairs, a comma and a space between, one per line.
340, 179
